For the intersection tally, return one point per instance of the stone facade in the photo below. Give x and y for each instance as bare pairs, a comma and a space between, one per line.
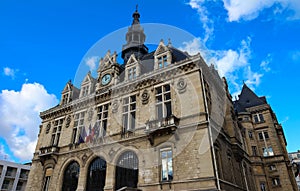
265, 142
163, 120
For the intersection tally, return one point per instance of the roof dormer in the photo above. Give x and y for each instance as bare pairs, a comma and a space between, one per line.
69, 93
87, 85
132, 68
162, 56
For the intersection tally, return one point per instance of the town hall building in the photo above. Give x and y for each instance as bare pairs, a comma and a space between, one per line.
161, 120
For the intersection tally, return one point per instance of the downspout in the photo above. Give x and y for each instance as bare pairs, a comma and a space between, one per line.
210, 132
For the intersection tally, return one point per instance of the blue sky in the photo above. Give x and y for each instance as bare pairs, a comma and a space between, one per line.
42, 43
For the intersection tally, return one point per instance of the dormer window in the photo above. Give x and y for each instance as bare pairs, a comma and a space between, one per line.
162, 61
65, 99
131, 73
85, 90
133, 69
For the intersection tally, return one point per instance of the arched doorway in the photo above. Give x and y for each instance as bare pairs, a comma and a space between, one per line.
127, 170
71, 175
96, 175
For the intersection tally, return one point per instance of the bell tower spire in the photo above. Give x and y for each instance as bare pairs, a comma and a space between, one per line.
135, 38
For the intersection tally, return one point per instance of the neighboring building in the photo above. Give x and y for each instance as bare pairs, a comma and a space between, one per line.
13, 176
265, 140
162, 120
295, 160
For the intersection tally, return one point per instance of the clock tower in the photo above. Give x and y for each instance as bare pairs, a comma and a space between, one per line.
108, 71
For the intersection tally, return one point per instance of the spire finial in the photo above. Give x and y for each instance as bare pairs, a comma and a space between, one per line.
136, 16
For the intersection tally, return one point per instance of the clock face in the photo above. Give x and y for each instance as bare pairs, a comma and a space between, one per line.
106, 79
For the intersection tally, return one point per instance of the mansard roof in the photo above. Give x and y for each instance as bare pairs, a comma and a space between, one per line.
248, 99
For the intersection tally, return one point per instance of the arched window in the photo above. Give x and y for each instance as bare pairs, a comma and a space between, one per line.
127, 170
96, 175
71, 177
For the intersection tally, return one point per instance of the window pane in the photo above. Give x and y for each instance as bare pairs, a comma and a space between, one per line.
167, 87
260, 136
125, 108
132, 120
164, 169
159, 111
261, 117
169, 109
132, 98
158, 90
167, 96
159, 98
266, 135
255, 118
125, 121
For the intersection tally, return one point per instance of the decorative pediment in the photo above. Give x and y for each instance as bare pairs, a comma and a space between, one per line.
87, 79
161, 48
107, 61
68, 87
132, 59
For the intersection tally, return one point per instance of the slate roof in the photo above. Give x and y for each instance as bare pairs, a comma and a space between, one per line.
247, 99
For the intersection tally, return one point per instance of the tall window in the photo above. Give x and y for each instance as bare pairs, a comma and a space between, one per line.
250, 133
131, 73
96, 175
65, 98
163, 101
162, 61
254, 151
85, 90
129, 109
263, 186
102, 115
263, 135
166, 164
56, 132
127, 170
276, 181
258, 118
71, 175
78, 126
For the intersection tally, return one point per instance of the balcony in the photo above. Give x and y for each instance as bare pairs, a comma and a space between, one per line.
49, 152
163, 127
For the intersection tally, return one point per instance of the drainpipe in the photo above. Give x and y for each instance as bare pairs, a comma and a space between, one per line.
210, 133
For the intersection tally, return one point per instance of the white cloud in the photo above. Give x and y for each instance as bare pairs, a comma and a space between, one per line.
207, 23
19, 117
250, 9
91, 62
234, 64
9, 72
265, 63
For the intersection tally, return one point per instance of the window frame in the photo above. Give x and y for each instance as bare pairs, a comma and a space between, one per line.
129, 108
78, 126
164, 163
163, 103
102, 118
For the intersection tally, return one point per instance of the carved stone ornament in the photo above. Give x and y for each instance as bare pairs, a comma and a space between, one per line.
90, 114
115, 106
48, 127
84, 158
145, 97
181, 85
68, 121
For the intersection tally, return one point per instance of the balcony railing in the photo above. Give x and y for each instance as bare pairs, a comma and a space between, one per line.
157, 128
161, 123
48, 150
